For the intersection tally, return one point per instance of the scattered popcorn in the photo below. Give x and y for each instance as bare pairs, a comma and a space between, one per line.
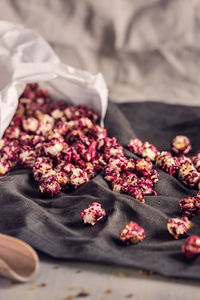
49, 186
178, 227
181, 145
132, 233
78, 177
149, 151
167, 163
191, 247
189, 206
136, 146
93, 213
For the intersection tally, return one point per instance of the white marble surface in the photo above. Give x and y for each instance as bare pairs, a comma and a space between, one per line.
61, 280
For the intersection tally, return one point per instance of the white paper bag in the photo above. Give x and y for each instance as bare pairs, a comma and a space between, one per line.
26, 57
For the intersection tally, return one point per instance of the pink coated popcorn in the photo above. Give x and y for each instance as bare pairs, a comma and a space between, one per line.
61, 128
149, 151
154, 176
36, 139
132, 233
50, 186
3, 142
70, 112
188, 174
146, 186
10, 152
93, 213
131, 178
78, 177
12, 132
135, 192
189, 206
46, 124
53, 148
111, 174
178, 227
63, 179
55, 136
98, 133
30, 124
167, 163
143, 167
119, 186
85, 123
191, 247
91, 151
25, 138
27, 157
119, 163
196, 161
136, 146
57, 114
181, 145
90, 170
5, 166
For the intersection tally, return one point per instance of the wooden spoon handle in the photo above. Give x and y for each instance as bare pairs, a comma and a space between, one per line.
18, 260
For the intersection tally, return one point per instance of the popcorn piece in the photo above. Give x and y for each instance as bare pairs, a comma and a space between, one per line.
196, 161
27, 157
191, 247
50, 186
63, 179
181, 145
25, 138
3, 142
149, 151
46, 124
90, 170
136, 193
143, 167
146, 186
12, 132
91, 151
4, 166
57, 114
42, 166
189, 206
10, 152
119, 163
136, 146
93, 213
178, 227
188, 174
119, 186
132, 233
167, 163
53, 148
61, 128
78, 177
30, 124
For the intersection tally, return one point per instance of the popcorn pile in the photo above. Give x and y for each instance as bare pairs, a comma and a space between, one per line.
62, 144
186, 169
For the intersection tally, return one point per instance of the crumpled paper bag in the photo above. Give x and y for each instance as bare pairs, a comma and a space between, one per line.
26, 57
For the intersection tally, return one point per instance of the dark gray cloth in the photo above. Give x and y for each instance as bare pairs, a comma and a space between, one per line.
54, 226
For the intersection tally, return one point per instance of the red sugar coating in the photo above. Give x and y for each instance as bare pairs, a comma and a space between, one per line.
178, 226
181, 145
189, 206
132, 233
191, 247
93, 213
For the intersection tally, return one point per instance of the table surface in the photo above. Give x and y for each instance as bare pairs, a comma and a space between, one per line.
63, 280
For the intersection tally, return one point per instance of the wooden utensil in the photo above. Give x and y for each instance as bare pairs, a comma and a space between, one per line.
18, 260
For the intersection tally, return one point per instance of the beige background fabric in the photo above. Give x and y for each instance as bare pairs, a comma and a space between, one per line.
147, 49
